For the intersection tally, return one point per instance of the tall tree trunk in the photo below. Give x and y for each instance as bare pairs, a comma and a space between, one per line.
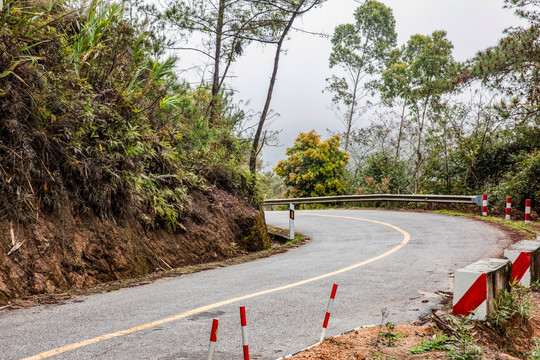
421, 122
400, 134
217, 56
352, 110
257, 146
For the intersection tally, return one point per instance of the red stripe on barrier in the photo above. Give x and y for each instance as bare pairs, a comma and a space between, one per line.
213, 334
520, 266
334, 289
243, 321
246, 352
472, 299
326, 318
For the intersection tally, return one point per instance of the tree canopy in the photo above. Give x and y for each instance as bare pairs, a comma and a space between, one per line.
359, 50
313, 167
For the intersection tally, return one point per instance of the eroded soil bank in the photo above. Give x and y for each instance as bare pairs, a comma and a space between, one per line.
58, 254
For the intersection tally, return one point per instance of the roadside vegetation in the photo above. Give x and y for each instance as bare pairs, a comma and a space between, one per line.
438, 126
95, 121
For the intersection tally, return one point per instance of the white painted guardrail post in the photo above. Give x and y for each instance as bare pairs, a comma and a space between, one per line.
213, 339
508, 207
291, 221
328, 309
476, 286
525, 257
527, 211
243, 323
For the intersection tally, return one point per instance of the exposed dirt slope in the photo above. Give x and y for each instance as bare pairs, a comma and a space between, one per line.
63, 253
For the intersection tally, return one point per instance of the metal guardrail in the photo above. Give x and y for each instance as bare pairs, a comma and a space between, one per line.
458, 199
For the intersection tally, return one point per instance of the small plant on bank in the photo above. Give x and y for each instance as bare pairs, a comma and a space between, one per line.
462, 346
513, 305
534, 354
388, 334
511, 317
535, 286
439, 342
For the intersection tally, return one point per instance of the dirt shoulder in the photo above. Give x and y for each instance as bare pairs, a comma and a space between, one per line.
402, 341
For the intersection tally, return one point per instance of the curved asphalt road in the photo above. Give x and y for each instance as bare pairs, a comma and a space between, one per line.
404, 282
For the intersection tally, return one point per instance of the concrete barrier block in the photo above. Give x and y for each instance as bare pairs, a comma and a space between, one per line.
525, 257
477, 285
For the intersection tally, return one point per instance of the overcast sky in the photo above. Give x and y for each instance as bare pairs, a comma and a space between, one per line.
472, 25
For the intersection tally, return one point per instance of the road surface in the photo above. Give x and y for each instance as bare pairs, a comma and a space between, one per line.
396, 261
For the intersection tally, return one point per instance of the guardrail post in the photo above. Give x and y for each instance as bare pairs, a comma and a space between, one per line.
484, 204
291, 221
527, 211
508, 207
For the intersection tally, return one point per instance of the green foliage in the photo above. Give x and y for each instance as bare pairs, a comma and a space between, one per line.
462, 346
419, 74
438, 342
520, 181
313, 167
510, 305
270, 185
512, 315
534, 354
359, 50
512, 66
96, 122
381, 175
390, 335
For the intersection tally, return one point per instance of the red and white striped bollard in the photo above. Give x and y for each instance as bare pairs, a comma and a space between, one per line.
243, 323
508, 207
527, 211
484, 204
213, 339
328, 308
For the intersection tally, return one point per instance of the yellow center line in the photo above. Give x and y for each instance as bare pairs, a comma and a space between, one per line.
60, 350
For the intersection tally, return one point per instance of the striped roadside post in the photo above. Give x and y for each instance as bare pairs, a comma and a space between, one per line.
527, 211
328, 309
484, 204
475, 287
291, 221
508, 207
525, 257
213, 339
243, 323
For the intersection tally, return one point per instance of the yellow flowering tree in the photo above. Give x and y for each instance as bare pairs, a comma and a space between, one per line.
313, 167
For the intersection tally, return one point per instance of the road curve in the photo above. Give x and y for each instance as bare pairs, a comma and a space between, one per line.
368, 253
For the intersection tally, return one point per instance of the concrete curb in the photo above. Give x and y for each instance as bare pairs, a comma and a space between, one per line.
525, 257
476, 286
